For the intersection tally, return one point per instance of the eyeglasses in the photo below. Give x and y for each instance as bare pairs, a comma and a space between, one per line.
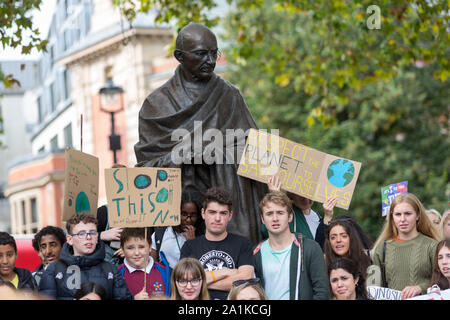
84, 234
193, 282
216, 54
237, 283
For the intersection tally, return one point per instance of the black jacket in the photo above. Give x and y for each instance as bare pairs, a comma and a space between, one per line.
26, 280
80, 269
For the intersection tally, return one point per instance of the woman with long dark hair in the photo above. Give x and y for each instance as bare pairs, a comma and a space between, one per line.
346, 282
342, 241
441, 271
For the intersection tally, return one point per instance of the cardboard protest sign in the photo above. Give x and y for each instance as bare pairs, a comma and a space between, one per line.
388, 193
380, 293
143, 197
303, 170
80, 184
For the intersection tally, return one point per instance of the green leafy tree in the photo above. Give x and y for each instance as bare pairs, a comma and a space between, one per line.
357, 43
178, 11
394, 121
365, 82
17, 30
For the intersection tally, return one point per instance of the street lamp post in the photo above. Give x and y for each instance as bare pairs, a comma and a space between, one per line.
111, 101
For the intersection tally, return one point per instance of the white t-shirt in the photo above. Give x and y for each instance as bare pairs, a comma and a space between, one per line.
276, 271
313, 221
170, 246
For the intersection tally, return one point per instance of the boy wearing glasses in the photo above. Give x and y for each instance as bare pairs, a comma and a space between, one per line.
225, 257
82, 260
290, 265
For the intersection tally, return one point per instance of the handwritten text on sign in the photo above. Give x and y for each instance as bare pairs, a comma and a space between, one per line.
302, 170
80, 184
143, 197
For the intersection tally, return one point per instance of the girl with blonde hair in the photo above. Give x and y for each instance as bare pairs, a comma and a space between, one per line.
189, 281
250, 289
406, 247
444, 227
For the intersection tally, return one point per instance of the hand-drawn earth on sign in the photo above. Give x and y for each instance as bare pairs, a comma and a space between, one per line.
82, 203
80, 183
143, 197
340, 172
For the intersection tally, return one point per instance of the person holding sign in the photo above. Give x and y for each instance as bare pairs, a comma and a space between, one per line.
346, 282
290, 266
225, 256
144, 276
82, 260
405, 249
306, 221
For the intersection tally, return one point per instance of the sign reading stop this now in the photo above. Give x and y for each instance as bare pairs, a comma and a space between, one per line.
143, 197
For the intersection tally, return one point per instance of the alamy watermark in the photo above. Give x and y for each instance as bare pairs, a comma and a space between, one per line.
374, 20
214, 146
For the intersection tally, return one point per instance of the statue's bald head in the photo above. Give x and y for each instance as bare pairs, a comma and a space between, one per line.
192, 31
197, 52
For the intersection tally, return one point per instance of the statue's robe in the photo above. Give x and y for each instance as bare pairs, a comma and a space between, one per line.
219, 105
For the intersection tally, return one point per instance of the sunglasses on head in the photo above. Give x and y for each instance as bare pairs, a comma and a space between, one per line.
237, 283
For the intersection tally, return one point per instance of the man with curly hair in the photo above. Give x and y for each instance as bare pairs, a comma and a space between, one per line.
48, 243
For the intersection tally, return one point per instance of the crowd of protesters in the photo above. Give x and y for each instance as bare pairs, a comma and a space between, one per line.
304, 256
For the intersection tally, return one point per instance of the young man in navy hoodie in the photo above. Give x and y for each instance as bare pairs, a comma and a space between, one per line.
82, 260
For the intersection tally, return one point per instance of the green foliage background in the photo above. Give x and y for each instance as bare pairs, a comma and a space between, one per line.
315, 70
341, 88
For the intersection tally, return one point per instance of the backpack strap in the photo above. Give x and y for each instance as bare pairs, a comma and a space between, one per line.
299, 242
165, 270
159, 234
383, 267
122, 269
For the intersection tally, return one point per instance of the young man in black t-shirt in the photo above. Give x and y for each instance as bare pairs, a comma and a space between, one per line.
226, 257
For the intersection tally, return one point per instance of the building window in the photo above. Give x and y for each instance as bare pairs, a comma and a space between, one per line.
54, 144
68, 136
24, 217
34, 217
41, 112
67, 84
1, 120
52, 101
57, 96
52, 54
